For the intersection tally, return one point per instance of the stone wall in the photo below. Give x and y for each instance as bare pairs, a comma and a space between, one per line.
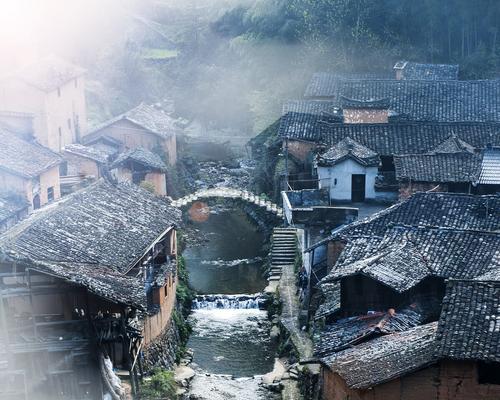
161, 352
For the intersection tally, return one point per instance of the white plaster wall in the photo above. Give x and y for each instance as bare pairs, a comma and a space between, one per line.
343, 173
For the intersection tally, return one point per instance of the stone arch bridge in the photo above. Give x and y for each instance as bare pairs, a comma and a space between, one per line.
229, 193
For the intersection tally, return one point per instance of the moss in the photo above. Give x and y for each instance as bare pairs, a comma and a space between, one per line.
161, 385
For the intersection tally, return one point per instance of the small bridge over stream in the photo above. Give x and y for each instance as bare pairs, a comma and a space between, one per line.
229, 193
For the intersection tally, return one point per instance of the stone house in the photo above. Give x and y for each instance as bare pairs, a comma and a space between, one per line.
143, 126
53, 91
140, 165
28, 169
88, 286
348, 171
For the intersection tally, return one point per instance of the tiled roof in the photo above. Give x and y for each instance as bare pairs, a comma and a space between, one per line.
405, 138
469, 327
141, 156
386, 358
453, 145
375, 104
421, 71
331, 296
348, 148
24, 158
303, 126
490, 167
148, 117
350, 331
87, 152
49, 73
445, 210
316, 107
10, 204
406, 256
419, 100
105, 225
442, 167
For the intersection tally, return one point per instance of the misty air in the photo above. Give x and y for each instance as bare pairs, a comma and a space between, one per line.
249, 200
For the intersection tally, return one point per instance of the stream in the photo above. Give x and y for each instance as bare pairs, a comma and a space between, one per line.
230, 335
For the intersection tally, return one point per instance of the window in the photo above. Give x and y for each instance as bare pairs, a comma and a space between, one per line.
69, 123
166, 290
488, 373
58, 92
50, 193
60, 138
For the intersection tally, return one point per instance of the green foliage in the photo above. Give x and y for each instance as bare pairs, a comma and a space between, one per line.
161, 386
183, 326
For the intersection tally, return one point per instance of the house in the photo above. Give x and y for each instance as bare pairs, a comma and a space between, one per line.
53, 91
140, 166
143, 126
88, 287
13, 208
86, 161
393, 277
407, 70
455, 358
444, 172
28, 169
415, 100
348, 171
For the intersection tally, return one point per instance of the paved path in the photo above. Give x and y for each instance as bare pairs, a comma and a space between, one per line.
231, 193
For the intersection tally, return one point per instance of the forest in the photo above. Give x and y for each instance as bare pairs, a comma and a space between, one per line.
229, 65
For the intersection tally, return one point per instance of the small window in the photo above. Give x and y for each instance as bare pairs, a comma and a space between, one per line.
166, 290
58, 92
488, 373
335, 181
50, 193
69, 123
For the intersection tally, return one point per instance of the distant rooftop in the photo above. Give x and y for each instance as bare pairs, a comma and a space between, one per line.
422, 71
23, 158
142, 156
490, 167
89, 152
49, 73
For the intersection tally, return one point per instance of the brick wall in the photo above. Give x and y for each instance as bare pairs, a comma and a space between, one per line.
300, 150
449, 380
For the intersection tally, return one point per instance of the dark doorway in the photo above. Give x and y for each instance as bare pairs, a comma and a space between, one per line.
358, 187
36, 201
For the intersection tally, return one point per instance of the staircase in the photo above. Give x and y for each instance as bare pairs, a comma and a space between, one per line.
282, 251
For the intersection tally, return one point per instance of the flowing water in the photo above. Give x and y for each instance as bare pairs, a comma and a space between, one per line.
230, 335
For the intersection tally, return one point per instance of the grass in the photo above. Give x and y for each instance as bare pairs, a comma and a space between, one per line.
159, 54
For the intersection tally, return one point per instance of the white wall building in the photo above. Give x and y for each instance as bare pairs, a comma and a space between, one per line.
348, 170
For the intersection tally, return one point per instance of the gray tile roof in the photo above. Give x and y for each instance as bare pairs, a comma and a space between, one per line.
142, 156
348, 148
386, 358
315, 107
26, 159
350, 331
104, 225
406, 256
453, 145
490, 167
148, 117
422, 71
437, 168
469, 326
89, 152
418, 100
406, 138
49, 73
372, 104
331, 299
11, 204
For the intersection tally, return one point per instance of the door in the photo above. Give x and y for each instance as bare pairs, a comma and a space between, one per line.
358, 187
